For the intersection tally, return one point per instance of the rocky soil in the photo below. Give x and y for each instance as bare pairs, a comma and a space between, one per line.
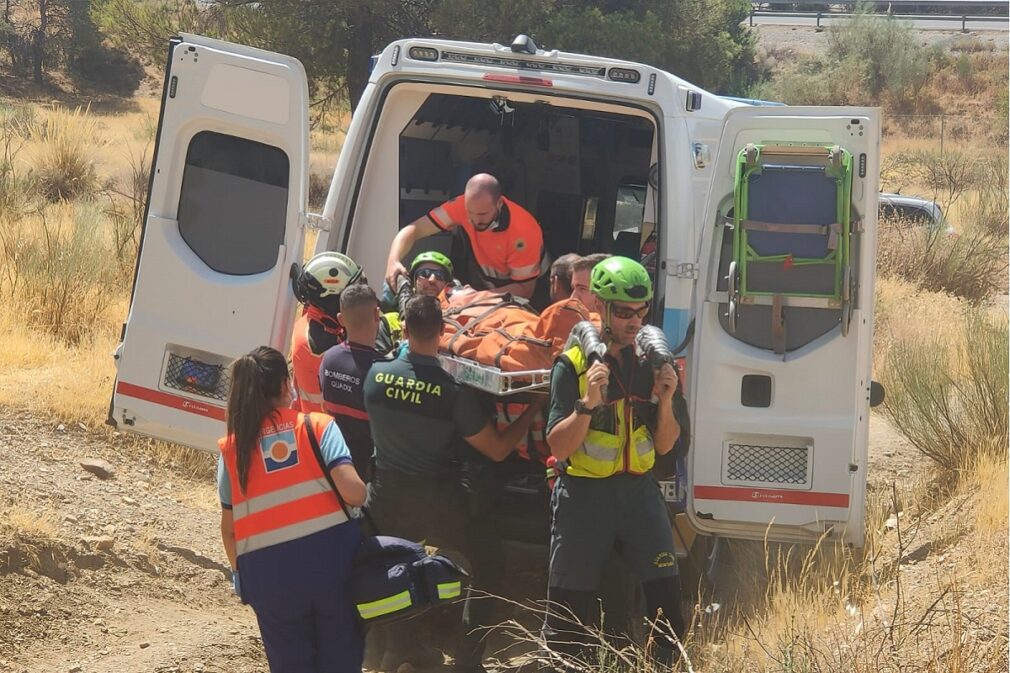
108, 573
123, 573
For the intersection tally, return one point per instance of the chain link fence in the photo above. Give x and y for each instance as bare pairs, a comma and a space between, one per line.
946, 131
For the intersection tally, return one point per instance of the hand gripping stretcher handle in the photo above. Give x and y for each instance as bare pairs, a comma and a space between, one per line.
588, 338
651, 344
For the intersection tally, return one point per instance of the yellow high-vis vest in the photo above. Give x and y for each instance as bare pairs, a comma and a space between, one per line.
604, 453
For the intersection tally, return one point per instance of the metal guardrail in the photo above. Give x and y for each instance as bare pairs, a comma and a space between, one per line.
957, 7
819, 16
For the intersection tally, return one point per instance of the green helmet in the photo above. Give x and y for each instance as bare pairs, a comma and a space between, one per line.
433, 257
621, 279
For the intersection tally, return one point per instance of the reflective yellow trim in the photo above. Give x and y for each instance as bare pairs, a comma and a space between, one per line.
602, 454
385, 606
449, 590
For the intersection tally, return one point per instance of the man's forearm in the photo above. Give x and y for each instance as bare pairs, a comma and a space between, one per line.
402, 243
568, 434
667, 428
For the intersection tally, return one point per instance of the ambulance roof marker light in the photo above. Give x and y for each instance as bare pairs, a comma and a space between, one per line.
423, 53
524, 44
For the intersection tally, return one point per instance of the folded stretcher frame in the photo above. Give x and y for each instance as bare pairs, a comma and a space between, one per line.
494, 380
791, 233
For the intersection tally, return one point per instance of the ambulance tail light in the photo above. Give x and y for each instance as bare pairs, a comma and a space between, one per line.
517, 79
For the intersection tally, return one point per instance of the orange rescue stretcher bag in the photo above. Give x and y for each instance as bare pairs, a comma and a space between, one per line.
496, 330
503, 331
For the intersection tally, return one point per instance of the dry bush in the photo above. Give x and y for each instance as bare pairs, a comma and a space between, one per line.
950, 401
64, 164
127, 199
17, 185
971, 265
946, 175
319, 186
987, 208
57, 269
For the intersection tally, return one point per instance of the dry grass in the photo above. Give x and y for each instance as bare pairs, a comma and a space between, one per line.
62, 154
30, 523
66, 268
33, 534
904, 312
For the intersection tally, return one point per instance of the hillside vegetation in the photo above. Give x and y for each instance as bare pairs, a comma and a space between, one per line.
929, 591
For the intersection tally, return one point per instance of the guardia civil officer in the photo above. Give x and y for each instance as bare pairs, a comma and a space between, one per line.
609, 441
287, 538
417, 412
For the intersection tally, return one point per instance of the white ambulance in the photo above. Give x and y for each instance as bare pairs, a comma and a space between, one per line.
758, 222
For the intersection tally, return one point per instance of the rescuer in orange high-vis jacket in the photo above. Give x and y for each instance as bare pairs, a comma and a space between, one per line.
288, 540
318, 287
506, 240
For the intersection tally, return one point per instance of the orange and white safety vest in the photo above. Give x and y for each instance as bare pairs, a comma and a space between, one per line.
287, 496
512, 251
307, 355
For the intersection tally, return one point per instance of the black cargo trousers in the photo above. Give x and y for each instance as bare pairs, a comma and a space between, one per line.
438, 511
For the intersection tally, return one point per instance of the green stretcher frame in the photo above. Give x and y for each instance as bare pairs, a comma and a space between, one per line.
838, 164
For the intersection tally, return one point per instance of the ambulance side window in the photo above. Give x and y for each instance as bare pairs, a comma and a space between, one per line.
233, 202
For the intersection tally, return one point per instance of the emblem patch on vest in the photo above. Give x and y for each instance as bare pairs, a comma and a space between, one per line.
279, 450
664, 560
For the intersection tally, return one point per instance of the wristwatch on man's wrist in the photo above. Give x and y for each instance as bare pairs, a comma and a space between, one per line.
581, 408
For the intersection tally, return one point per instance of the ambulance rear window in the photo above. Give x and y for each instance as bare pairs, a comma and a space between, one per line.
233, 202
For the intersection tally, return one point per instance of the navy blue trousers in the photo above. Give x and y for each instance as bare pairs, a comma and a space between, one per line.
300, 593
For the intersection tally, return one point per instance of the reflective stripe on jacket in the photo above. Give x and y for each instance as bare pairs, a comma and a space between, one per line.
305, 359
604, 453
287, 495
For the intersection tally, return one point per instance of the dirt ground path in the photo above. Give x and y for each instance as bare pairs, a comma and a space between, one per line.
131, 575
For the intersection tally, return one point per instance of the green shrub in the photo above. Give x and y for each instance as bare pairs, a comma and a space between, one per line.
887, 54
64, 168
950, 400
870, 60
971, 265
110, 69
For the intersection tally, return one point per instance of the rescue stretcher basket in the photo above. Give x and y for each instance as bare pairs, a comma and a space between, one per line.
494, 380
791, 233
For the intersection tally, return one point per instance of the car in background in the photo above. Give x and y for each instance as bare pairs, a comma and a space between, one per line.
913, 211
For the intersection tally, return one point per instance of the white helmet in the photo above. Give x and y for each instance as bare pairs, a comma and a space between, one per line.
323, 278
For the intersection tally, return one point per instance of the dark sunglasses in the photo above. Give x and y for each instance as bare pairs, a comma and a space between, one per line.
437, 274
625, 313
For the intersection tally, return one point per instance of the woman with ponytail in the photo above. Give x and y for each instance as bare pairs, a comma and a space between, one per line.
289, 542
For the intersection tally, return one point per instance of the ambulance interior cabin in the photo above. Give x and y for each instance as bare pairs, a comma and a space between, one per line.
580, 167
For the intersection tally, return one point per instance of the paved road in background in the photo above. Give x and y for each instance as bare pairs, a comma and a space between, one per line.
826, 20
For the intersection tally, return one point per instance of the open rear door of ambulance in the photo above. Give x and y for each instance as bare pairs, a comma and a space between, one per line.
781, 358
221, 230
